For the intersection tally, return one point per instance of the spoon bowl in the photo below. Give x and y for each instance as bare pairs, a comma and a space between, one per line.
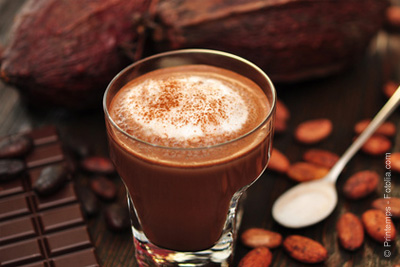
310, 202
317, 200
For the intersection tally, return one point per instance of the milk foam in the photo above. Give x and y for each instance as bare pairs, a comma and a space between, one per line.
182, 107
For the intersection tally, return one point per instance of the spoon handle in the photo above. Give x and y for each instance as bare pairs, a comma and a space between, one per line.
379, 118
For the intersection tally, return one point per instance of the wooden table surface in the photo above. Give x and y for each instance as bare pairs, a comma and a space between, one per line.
344, 98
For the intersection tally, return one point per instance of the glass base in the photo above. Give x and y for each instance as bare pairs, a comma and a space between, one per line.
149, 255
220, 255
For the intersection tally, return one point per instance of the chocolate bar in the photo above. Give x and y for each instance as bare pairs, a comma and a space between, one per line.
43, 230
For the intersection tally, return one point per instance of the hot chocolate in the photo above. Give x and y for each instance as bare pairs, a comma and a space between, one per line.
196, 142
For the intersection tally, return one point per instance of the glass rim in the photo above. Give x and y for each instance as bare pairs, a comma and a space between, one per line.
191, 51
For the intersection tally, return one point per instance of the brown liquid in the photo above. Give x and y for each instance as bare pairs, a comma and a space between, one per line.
182, 196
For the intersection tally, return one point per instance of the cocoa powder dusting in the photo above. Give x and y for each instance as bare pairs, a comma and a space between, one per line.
188, 106
205, 111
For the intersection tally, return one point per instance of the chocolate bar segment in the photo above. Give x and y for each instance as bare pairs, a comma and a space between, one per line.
68, 240
83, 258
43, 230
13, 206
11, 187
15, 229
61, 218
45, 154
21, 252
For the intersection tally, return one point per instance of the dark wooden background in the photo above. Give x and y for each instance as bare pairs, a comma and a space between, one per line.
344, 98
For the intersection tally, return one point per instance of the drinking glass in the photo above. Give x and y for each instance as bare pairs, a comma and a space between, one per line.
183, 202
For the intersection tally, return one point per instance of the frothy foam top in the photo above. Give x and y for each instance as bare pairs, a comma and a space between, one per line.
182, 108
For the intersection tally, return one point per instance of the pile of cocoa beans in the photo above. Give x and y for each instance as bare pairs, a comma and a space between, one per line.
64, 53
315, 164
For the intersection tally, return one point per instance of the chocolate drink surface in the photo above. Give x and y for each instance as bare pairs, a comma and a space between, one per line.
198, 138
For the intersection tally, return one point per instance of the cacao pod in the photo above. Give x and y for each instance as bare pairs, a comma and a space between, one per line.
291, 40
65, 52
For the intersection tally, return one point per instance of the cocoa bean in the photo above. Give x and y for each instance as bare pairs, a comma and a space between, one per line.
98, 165
282, 111
304, 171
117, 217
321, 157
376, 145
360, 184
350, 231
103, 187
282, 115
278, 161
64, 53
11, 168
313, 131
395, 162
259, 237
393, 17
90, 202
378, 225
389, 88
305, 249
16, 145
258, 257
390, 205
50, 179
387, 128
78, 149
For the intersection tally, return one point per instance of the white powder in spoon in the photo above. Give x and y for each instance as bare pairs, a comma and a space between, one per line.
306, 204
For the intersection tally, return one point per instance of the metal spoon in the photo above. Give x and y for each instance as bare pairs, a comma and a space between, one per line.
310, 202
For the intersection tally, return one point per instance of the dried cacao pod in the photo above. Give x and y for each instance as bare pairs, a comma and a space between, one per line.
290, 39
64, 53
